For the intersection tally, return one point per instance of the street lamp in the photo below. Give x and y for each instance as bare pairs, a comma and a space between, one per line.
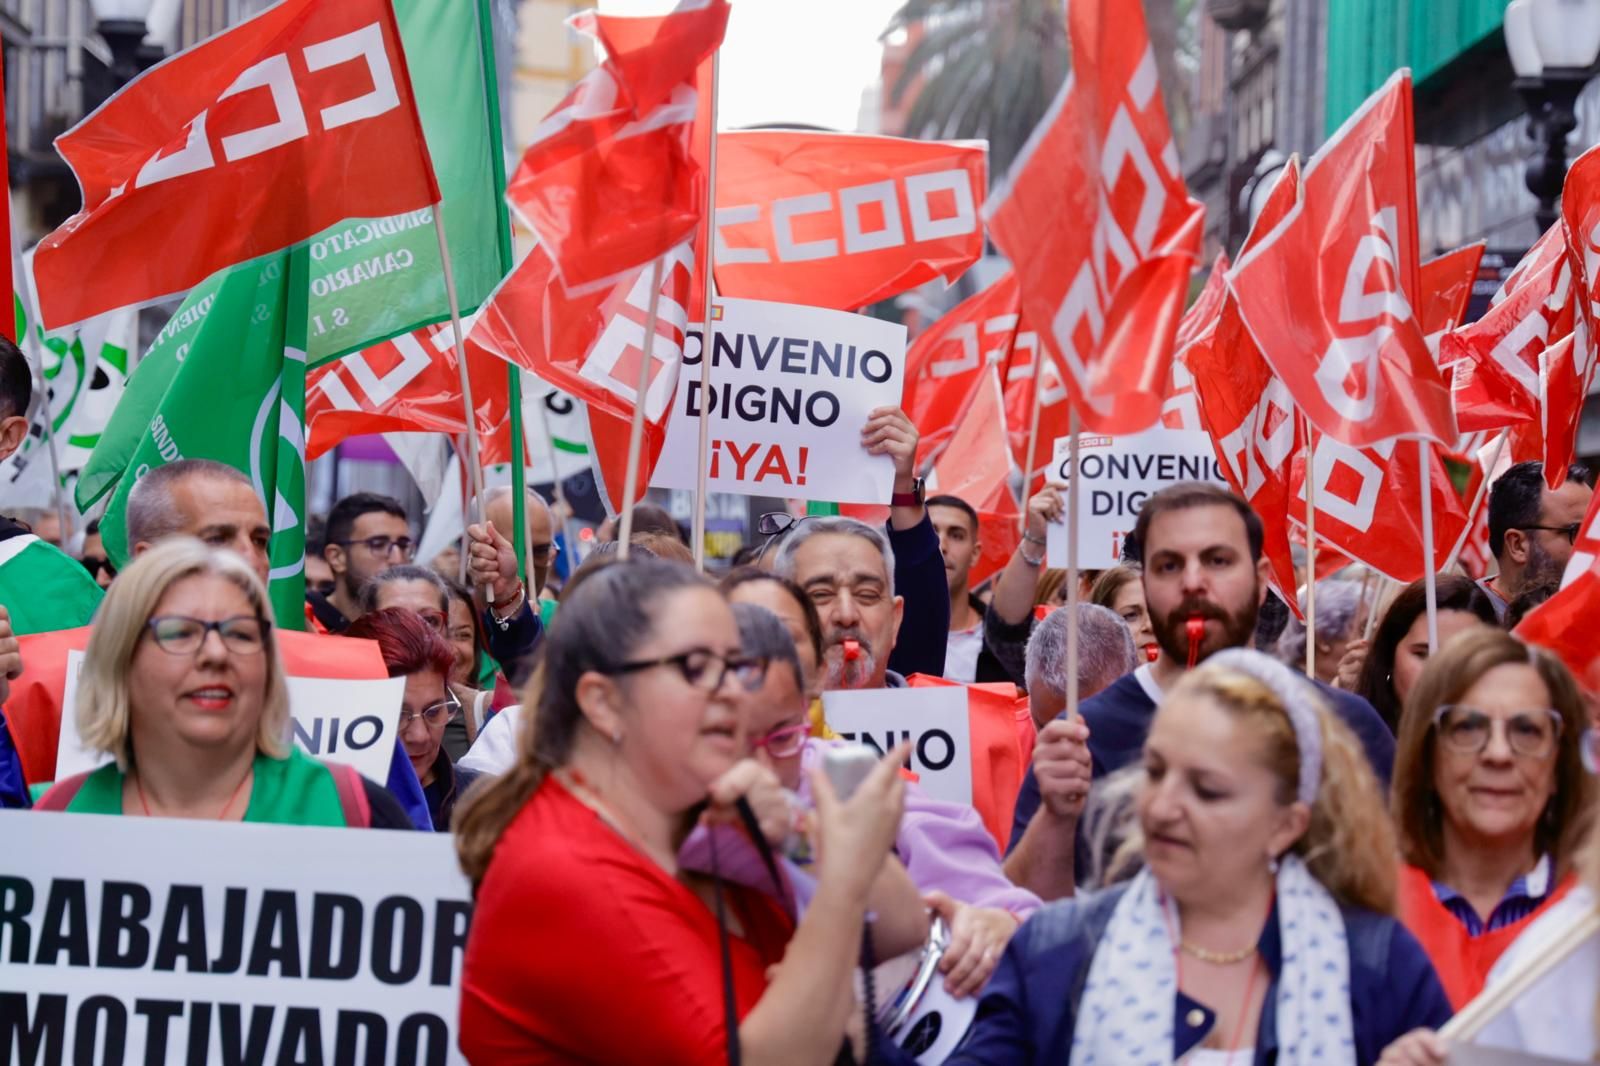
1553, 46
121, 23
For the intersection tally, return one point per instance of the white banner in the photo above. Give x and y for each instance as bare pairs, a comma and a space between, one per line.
791, 387
138, 940
933, 719
1119, 474
354, 722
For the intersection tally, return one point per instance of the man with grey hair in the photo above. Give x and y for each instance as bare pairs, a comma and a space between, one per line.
200, 498
1105, 653
846, 567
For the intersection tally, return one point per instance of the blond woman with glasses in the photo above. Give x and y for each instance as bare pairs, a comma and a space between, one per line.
183, 688
1489, 798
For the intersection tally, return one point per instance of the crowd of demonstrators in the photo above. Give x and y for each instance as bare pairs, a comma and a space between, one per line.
1391, 665
1532, 529
1260, 923
636, 776
182, 687
1204, 576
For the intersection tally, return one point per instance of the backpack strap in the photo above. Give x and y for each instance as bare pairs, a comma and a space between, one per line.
352, 795
61, 794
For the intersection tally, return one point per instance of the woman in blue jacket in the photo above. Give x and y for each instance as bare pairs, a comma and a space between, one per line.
1259, 930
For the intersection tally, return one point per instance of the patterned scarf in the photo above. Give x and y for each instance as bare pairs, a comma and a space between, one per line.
1126, 1016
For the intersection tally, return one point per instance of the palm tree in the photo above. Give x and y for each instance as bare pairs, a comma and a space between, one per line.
989, 68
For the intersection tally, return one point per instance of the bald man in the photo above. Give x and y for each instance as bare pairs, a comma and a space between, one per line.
515, 627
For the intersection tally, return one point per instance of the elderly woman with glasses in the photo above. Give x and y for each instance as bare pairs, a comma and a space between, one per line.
1489, 797
183, 688
413, 649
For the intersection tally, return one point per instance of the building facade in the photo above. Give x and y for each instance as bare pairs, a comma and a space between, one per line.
1257, 97
1472, 132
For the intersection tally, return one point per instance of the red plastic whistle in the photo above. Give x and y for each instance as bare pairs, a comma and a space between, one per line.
852, 650
1196, 627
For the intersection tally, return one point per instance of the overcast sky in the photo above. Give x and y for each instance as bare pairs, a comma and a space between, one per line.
800, 60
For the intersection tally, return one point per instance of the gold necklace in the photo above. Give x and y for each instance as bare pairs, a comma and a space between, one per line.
1216, 958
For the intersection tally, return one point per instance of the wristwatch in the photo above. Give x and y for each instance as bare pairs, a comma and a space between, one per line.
914, 498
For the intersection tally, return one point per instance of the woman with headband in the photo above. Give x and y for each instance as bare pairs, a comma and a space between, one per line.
1260, 928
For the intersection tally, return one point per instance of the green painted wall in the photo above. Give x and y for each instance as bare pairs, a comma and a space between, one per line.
1370, 39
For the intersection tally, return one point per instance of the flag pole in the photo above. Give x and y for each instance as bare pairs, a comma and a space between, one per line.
636, 430
1424, 454
1072, 553
1033, 443
474, 468
1311, 548
708, 330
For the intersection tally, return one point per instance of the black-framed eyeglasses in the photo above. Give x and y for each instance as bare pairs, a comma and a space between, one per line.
705, 669
435, 714
178, 634
1569, 531
1467, 730
544, 553
383, 545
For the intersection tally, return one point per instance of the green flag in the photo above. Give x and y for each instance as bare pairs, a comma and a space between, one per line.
372, 279
148, 384
236, 394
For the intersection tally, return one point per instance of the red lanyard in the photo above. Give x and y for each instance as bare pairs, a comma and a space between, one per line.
1249, 988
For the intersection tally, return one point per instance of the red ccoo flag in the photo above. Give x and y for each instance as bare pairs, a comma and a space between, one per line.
612, 178
1100, 227
947, 362
409, 384
976, 467
1329, 293
240, 146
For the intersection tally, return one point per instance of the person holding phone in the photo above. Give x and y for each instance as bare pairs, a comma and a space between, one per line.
590, 942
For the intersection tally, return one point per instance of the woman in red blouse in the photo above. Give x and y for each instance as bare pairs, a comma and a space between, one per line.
589, 943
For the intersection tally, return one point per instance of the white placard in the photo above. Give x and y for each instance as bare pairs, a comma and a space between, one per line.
933, 719
1119, 474
342, 720
791, 387
162, 940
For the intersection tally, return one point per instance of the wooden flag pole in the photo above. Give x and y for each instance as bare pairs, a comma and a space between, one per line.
1311, 549
1072, 554
1519, 979
474, 467
630, 487
1424, 453
708, 330
1033, 443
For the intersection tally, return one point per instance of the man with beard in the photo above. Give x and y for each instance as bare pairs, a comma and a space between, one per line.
1531, 529
366, 533
1204, 578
